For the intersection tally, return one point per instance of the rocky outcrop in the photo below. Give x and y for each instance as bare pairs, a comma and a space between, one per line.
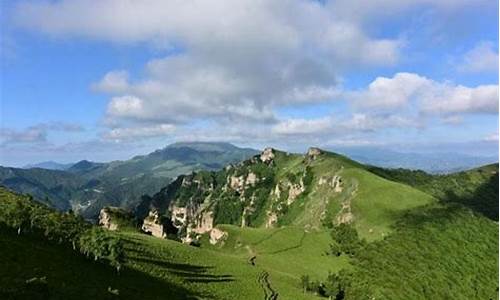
153, 226
345, 215
267, 155
272, 219
313, 153
106, 219
237, 183
251, 179
334, 182
294, 190
240, 183
204, 223
217, 235
178, 216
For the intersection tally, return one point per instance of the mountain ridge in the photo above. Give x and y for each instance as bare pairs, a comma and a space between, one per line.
89, 186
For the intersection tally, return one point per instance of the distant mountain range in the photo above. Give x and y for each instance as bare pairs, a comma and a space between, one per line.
430, 162
86, 186
49, 165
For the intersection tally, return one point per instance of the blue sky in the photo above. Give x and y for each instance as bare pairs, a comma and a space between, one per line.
105, 80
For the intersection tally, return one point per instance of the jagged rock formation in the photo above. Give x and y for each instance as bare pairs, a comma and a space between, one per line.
313, 153
267, 190
153, 225
217, 236
113, 218
267, 155
105, 219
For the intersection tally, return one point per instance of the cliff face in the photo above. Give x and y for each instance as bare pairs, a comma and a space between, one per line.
105, 219
114, 218
258, 192
152, 225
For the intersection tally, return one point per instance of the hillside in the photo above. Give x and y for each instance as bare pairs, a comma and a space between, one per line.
313, 191
347, 233
86, 186
476, 188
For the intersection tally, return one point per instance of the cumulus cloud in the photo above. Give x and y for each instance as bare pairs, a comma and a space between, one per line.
119, 134
113, 82
327, 126
36, 134
240, 59
482, 58
426, 95
239, 62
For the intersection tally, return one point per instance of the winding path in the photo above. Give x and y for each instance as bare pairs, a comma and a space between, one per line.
269, 292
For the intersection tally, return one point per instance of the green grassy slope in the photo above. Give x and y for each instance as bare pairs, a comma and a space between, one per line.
376, 203
371, 202
438, 252
417, 248
476, 188
69, 275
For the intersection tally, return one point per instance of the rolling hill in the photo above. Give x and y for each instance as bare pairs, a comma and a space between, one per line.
86, 186
336, 228
273, 189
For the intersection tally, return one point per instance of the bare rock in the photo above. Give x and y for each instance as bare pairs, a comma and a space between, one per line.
272, 219
153, 226
267, 155
217, 235
313, 153
106, 220
205, 222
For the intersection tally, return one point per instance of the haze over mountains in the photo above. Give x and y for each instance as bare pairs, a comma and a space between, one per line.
433, 162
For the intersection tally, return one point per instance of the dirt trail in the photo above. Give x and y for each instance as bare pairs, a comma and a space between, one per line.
269, 292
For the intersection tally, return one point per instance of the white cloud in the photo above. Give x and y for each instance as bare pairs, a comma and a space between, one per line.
113, 82
119, 134
448, 99
392, 92
428, 96
242, 59
303, 126
35, 134
491, 137
126, 106
482, 58
328, 126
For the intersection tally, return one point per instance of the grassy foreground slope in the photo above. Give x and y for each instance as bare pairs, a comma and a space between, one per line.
438, 252
34, 267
